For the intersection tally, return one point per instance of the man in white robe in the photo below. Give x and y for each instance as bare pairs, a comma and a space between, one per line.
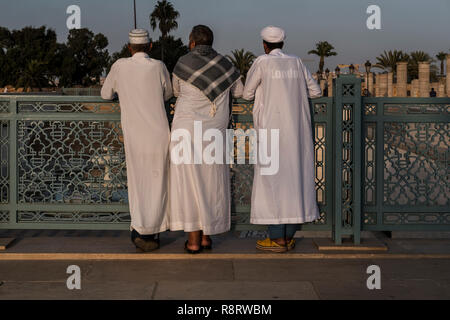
280, 85
200, 189
142, 85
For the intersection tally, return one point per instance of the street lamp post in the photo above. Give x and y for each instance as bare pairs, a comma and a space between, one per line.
368, 65
327, 74
134, 5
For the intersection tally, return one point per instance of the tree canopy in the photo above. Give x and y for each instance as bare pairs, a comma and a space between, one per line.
388, 61
242, 60
27, 56
85, 58
32, 57
174, 48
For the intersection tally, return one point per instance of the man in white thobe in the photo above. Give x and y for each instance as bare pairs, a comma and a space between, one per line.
280, 85
200, 192
142, 85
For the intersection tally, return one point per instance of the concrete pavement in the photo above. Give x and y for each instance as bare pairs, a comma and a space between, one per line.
410, 269
226, 279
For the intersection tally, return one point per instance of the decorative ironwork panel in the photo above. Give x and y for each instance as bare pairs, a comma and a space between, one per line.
242, 170
4, 161
320, 108
242, 174
348, 90
4, 106
243, 109
68, 107
370, 186
73, 217
370, 218
320, 162
240, 218
347, 164
322, 217
170, 109
411, 218
4, 216
370, 109
241, 184
63, 160
416, 164
414, 108
71, 162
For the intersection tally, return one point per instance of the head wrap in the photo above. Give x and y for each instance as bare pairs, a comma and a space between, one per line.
273, 34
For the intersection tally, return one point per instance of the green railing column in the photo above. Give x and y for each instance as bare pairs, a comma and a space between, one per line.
12, 158
347, 152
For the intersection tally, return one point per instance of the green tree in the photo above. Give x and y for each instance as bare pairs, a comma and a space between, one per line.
28, 56
323, 50
388, 60
441, 56
242, 60
123, 53
34, 75
84, 58
173, 48
165, 17
5, 43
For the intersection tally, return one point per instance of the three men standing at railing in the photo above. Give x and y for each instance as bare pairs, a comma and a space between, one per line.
203, 80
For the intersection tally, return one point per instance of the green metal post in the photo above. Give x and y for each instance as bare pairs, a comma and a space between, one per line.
348, 120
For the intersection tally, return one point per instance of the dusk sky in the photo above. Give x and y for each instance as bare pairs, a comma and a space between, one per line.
406, 24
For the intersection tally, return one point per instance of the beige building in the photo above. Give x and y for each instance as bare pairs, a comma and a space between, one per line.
385, 86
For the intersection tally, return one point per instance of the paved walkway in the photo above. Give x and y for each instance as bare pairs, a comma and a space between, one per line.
410, 269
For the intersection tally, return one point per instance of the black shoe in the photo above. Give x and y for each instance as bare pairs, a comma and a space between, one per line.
144, 243
208, 247
135, 234
191, 251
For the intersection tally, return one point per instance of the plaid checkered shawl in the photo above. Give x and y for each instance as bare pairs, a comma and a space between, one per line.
207, 70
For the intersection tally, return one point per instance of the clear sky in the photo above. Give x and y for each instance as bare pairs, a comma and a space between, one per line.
406, 24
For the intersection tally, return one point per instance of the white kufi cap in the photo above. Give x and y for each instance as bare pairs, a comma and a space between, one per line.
273, 34
139, 36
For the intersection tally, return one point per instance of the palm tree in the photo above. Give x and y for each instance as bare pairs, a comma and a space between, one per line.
420, 56
323, 50
441, 56
33, 76
164, 16
242, 60
413, 64
388, 60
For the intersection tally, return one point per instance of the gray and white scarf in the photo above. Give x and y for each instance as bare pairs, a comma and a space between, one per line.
207, 70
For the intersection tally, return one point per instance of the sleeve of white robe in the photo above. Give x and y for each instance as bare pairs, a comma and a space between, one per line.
109, 86
166, 84
314, 90
237, 89
254, 77
176, 85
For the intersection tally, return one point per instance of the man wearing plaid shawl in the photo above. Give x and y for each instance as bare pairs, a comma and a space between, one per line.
199, 190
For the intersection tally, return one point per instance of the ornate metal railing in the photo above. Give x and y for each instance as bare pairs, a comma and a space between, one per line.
381, 163
407, 164
62, 163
